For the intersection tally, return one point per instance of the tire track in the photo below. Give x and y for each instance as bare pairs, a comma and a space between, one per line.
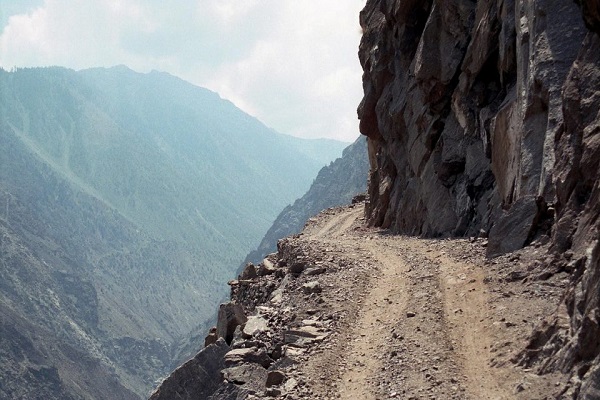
416, 330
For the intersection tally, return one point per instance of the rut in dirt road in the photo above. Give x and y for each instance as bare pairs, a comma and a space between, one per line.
344, 311
416, 329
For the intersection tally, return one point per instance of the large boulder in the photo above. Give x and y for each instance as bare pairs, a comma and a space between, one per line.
255, 326
230, 316
198, 378
248, 355
514, 227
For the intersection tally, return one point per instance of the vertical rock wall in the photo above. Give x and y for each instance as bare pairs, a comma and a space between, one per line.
483, 115
576, 346
462, 106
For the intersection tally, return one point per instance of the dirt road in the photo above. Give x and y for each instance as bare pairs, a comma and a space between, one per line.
418, 319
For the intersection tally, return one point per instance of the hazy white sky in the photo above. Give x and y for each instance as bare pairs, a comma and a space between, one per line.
292, 64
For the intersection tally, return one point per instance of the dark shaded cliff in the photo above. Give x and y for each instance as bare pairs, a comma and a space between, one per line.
483, 116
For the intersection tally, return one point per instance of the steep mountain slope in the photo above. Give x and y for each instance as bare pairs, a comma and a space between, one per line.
335, 185
483, 119
126, 200
484, 116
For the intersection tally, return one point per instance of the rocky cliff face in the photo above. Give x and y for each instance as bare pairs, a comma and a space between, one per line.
482, 117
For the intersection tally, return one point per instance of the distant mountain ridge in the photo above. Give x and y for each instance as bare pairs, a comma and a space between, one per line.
126, 200
334, 185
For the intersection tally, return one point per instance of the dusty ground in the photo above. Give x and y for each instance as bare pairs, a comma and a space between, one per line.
413, 318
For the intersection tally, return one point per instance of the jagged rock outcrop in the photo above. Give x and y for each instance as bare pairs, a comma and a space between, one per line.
199, 376
482, 117
462, 106
576, 346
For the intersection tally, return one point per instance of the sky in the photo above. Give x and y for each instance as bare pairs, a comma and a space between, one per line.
291, 64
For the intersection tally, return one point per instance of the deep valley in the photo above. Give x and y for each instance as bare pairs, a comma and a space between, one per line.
127, 201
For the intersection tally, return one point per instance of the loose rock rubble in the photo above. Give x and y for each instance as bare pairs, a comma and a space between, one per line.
386, 317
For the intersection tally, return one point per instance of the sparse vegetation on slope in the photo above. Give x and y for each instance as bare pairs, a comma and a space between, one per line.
126, 199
